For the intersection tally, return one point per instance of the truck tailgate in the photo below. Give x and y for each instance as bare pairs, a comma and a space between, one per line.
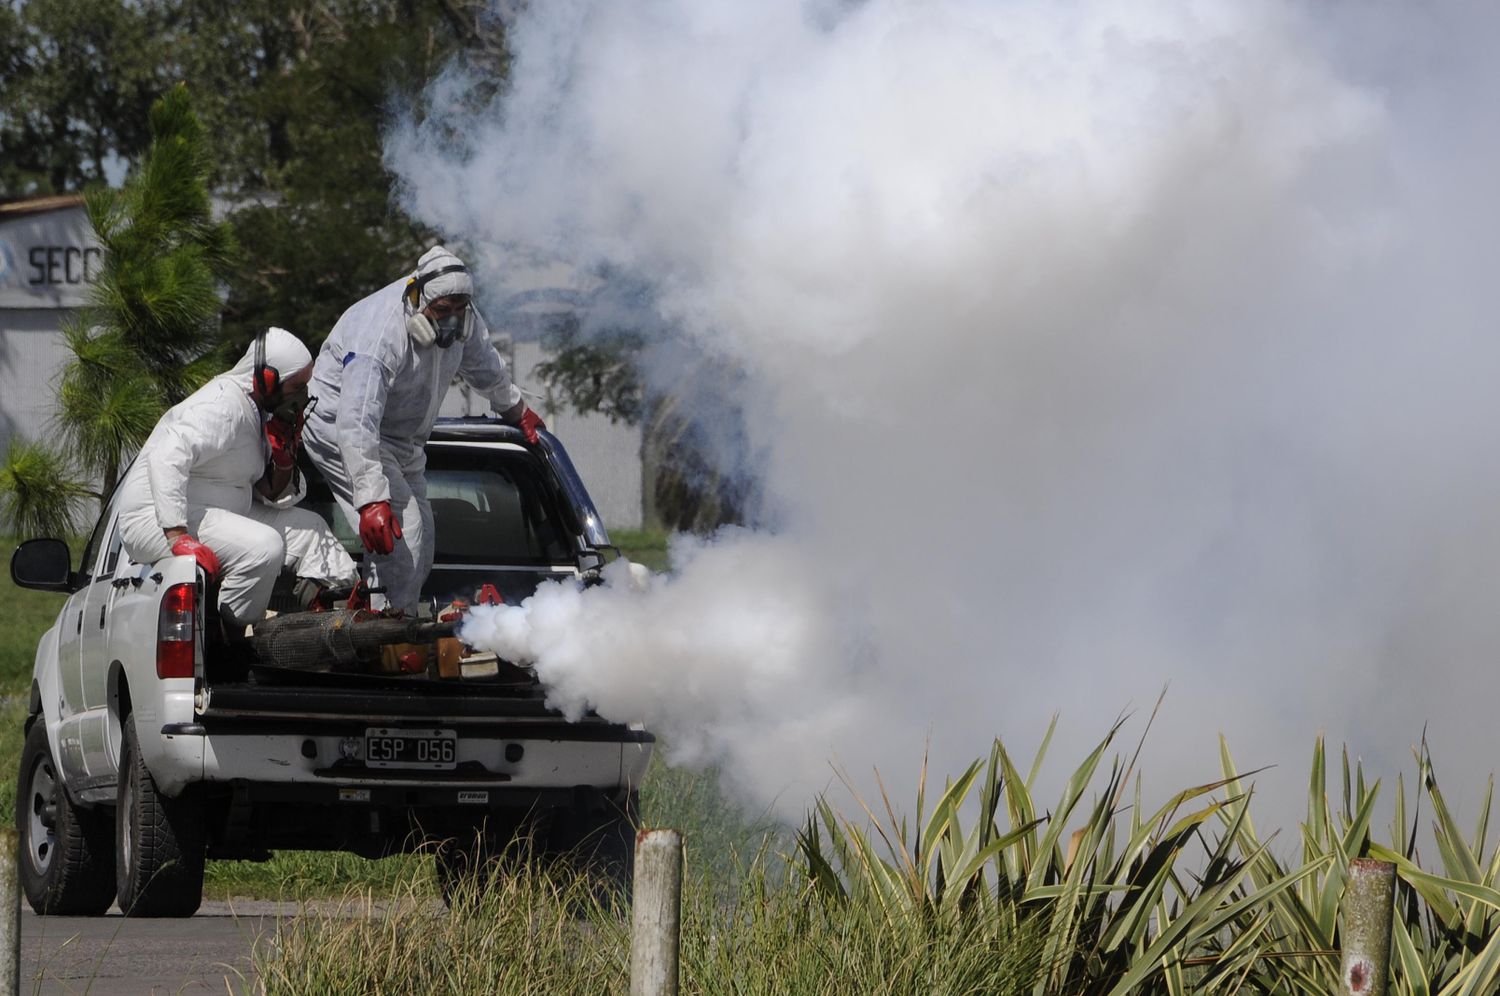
228, 706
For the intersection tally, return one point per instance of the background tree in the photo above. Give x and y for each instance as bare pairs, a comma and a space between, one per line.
599, 370
78, 77
295, 94
327, 233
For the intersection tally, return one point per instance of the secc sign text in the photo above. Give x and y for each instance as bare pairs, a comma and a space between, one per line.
63, 264
48, 259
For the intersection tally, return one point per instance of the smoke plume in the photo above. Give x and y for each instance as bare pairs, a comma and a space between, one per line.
1086, 348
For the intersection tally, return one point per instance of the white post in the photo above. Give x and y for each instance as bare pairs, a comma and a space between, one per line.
1368, 908
656, 916
10, 912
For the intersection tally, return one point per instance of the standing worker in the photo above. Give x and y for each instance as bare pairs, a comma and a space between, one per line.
216, 480
380, 380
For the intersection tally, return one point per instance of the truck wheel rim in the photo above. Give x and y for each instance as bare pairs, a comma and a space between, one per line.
41, 839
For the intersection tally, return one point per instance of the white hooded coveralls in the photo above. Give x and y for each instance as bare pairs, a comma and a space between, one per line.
199, 468
378, 395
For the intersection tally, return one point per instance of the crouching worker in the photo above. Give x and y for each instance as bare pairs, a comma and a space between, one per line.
217, 480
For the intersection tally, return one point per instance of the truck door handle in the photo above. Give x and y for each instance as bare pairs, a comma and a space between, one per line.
79, 627
101, 616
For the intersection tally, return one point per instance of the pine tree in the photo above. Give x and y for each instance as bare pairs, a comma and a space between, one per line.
145, 341
40, 492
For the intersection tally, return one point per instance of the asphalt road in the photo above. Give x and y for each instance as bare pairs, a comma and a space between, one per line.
113, 956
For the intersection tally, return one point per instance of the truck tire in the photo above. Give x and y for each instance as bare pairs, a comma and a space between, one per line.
468, 867
465, 868
159, 842
599, 842
67, 852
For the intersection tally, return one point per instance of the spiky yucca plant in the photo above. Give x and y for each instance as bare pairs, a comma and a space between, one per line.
1446, 931
1118, 914
1446, 939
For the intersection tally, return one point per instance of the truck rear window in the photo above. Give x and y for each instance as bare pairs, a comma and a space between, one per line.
493, 516
503, 512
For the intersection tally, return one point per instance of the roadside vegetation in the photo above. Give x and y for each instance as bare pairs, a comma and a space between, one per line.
988, 889
543, 933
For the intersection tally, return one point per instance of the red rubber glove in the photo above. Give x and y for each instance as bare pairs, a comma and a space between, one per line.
284, 438
186, 545
530, 423
379, 529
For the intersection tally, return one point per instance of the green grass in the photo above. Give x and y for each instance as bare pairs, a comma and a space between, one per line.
27, 616
644, 546
12, 739
524, 936
539, 931
724, 837
293, 876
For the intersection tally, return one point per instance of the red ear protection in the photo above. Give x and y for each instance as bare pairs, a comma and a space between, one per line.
265, 379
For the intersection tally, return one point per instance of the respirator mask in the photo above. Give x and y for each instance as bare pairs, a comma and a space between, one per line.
452, 310
442, 332
292, 405
451, 328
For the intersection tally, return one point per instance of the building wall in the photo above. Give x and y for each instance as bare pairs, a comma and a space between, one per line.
32, 355
48, 255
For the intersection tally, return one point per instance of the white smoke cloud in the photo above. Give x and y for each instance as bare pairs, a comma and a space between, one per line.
1087, 347
715, 658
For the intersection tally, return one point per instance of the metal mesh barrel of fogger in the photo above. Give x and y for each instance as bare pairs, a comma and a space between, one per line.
314, 640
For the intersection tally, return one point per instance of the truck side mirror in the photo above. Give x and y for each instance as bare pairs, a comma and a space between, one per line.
43, 564
590, 561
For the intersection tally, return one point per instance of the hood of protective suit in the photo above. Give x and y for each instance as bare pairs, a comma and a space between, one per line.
442, 284
284, 351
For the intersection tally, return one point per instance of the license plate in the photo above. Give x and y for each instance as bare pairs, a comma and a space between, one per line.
424, 750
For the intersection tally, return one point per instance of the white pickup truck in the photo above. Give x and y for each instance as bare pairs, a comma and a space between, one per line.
153, 743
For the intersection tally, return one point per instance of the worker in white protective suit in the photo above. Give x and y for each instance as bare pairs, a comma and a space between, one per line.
380, 380
216, 480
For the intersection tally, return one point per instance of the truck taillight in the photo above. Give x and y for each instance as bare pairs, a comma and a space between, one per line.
174, 632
